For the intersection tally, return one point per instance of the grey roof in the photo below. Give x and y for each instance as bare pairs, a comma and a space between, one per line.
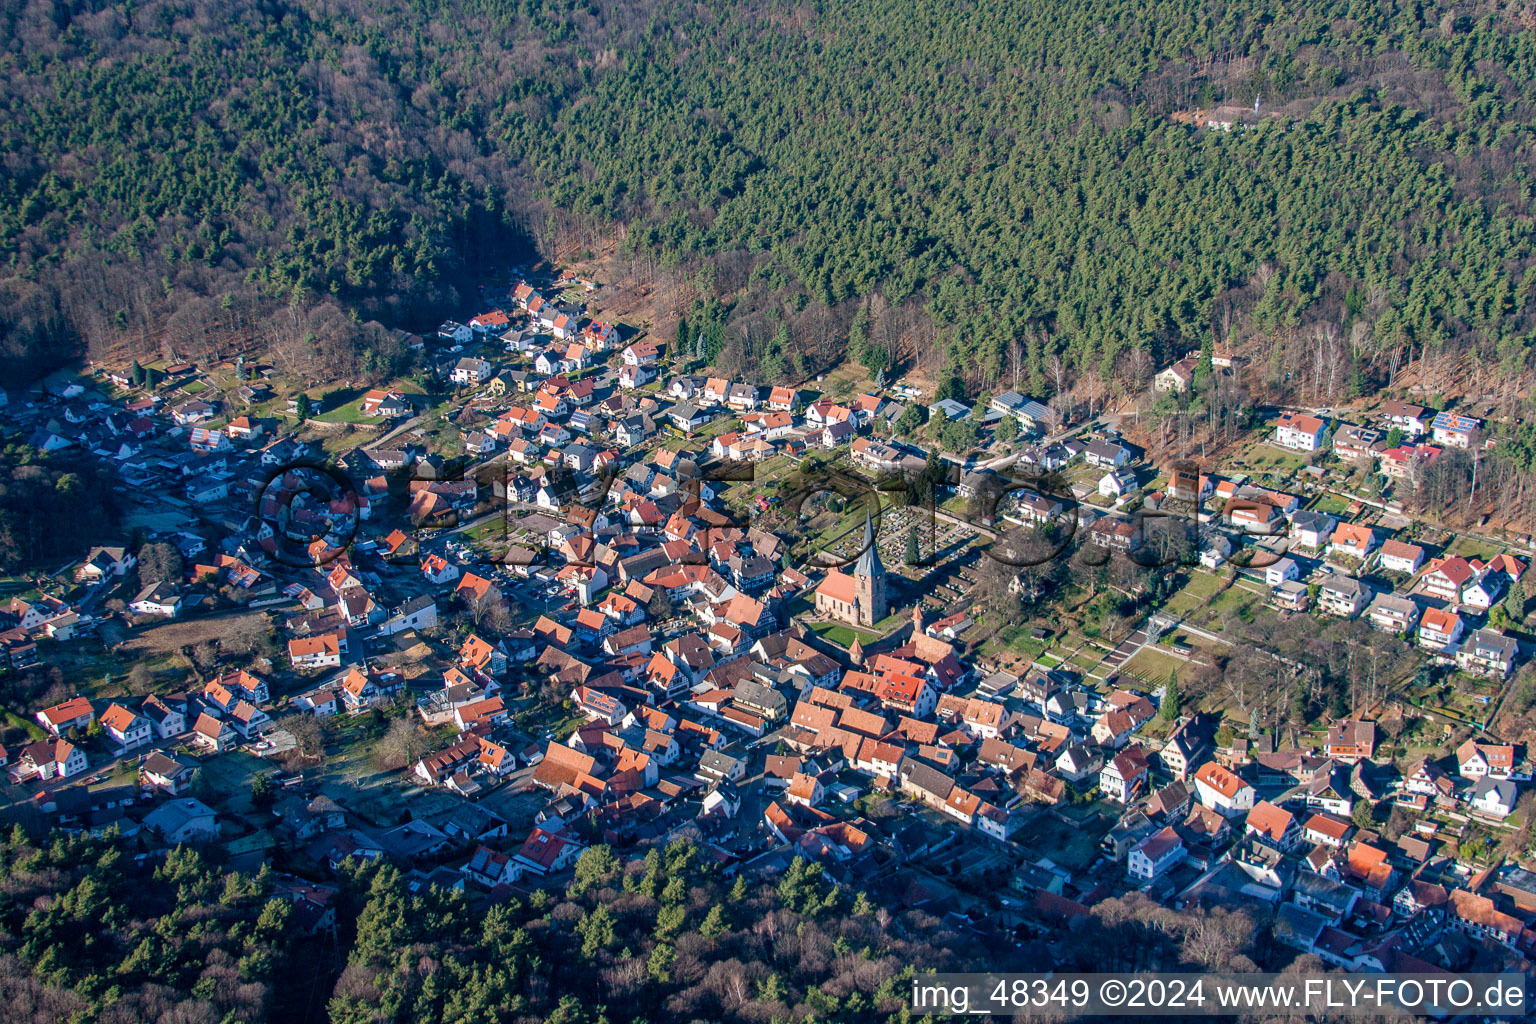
1503, 787
167, 765
1105, 449
927, 778
951, 408
1037, 410
869, 559
716, 761
1008, 401
1395, 604
1493, 642
760, 696
1078, 757
1345, 585
173, 815
1308, 519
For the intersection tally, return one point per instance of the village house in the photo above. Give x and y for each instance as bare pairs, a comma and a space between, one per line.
544, 853
159, 599
385, 404
1475, 760
1350, 740
214, 733
103, 562
1299, 432
471, 370
1405, 461
126, 728
1439, 629
641, 353
1493, 797
1251, 516
494, 323
1326, 829
1488, 652
1222, 791
323, 651
1393, 614
1398, 556
1124, 776
1273, 826
1352, 541
1177, 377
1312, 530
1343, 596
1106, 454
1150, 859
75, 713
1407, 418
169, 772
1455, 431
53, 759
1446, 578
1279, 571
1351, 442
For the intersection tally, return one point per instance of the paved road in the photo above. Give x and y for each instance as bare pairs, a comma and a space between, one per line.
407, 425
1168, 622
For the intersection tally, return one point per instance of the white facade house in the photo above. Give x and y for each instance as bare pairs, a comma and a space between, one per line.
1222, 791
1154, 855
1279, 572
1299, 432
126, 728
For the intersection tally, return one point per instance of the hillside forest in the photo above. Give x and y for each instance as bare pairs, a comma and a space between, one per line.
91, 931
993, 194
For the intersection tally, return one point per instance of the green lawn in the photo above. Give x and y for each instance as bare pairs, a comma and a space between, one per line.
1469, 548
1261, 457
1202, 586
1195, 594
351, 412
1013, 638
843, 635
1234, 599
1332, 504
1087, 660
1152, 666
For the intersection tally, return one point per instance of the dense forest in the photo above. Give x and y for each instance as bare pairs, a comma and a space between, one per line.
88, 931
52, 506
1007, 191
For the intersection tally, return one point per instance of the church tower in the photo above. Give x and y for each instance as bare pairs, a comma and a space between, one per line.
869, 580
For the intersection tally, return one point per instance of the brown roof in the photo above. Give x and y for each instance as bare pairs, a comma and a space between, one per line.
838, 586
1399, 549
118, 717
1269, 820
1220, 779
75, 707
1328, 825
563, 765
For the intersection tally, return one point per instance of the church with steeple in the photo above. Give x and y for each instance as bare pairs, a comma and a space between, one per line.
859, 598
